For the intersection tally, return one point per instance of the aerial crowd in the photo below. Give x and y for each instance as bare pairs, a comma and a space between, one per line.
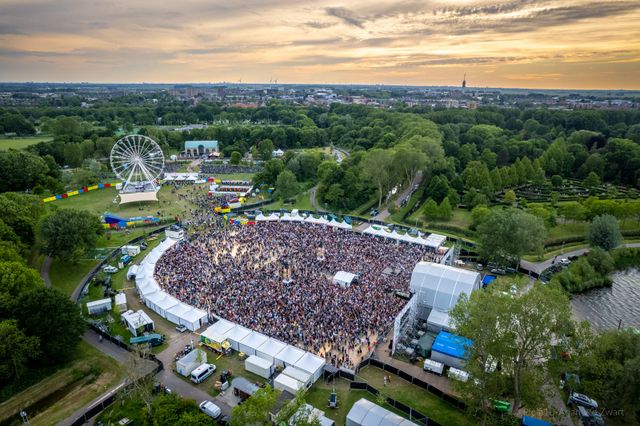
239, 273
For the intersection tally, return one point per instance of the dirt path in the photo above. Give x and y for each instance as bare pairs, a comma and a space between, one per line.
44, 271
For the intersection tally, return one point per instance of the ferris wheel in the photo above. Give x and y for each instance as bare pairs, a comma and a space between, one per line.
138, 161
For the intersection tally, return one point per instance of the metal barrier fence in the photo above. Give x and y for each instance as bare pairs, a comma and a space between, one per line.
414, 380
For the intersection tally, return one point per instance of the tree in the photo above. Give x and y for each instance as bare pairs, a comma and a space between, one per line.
438, 188
54, 319
286, 185
476, 175
604, 232
510, 197
376, 168
170, 410
592, 180
556, 181
445, 210
265, 149
409, 160
235, 158
430, 209
20, 170
532, 319
68, 233
505, 235
16, 349
269, 174
479, 318
16, 278
255, 410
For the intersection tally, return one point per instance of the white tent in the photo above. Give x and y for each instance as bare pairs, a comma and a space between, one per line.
218, 331
261, 218
132, 272
259, 366
269, 349
174, 314
121, 301
438, 321
301, 376
286, 383
160, 302
273, 217
435, 240
137, 322
366, 413
148, 288
190, 362
343, 279
295, 217
312, 219
235, 335
286, 217
289, 355
251, 342
99, 306
311, 364
439, 286
194, 318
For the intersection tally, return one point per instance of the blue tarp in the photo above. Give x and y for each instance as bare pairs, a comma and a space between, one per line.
488, 279
532, 421
451, 344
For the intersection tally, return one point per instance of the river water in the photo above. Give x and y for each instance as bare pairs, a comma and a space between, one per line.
604, 307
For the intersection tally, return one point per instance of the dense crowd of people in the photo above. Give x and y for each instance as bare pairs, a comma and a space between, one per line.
209, 167
239, 273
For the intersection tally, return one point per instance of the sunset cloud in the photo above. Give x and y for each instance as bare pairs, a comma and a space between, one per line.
512, 43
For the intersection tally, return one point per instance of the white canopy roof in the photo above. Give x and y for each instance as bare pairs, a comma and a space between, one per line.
296, 373
287, 383
435, 240
286, 217
290, 355
310, 363
162, 300
439, 286
218, 331
440, 319
121, 299
273, 217
343, 277
365, 412
133, 197
271, 347
137, 319
254, 340
261, 218
179, 310
237, 333
318, 220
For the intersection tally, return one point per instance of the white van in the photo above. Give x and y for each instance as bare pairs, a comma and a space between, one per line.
202, 372
210, 409
433, 366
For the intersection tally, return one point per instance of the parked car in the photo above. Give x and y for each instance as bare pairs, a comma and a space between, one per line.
143, 245
498, 271
181, 328
210, 409
590, 417
374, 212
581, 399
564, 261
110, 269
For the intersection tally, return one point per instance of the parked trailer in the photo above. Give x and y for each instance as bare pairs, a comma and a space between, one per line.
154, 339
457, 374
433, 366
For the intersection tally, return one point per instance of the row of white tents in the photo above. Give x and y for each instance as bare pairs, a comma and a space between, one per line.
181, 177
274, 351
433, 240
163, 303
294, 216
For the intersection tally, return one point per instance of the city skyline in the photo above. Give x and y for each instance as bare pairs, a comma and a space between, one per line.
515, 43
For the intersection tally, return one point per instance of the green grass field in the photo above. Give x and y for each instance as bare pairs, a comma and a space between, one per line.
415, 397
67, 390
302, 202
65, 276
21, 143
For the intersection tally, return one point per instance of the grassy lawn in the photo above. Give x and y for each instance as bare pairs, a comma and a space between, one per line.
65, 276
102, 200
579, 229
415, 397
319, 393
303, 202
62, 393
21, 143
234, 176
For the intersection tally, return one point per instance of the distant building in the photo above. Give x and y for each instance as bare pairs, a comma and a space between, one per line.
464, 81
277, 153
198, 148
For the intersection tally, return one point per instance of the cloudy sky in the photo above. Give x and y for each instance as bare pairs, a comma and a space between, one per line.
509, 43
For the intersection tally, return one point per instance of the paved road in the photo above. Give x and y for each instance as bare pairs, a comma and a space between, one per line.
538, 267
44, 271
403, 196
312, 198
